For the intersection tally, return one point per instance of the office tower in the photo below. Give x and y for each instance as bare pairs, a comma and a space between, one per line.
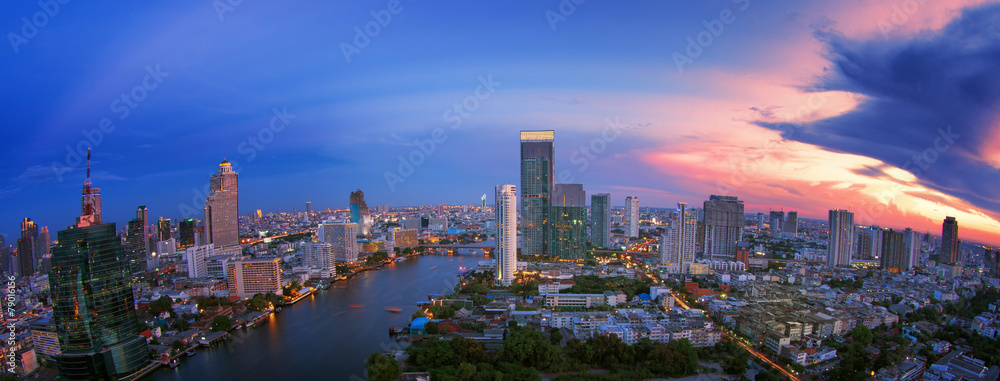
792, 223
90, 203
196, 260
842, 237
724, 221
505, 217
482, 206
600, 220
949, 242
537, 183
777, 221
42, 248
343, 236
162, 229
135, 251
309, 210
222, 208
760, 221
186, 230
632, 216
248, 277
162, 248
894, 257
568, 222
92, 304
677, 245
258, 215
743, 253
911, 239
360, 214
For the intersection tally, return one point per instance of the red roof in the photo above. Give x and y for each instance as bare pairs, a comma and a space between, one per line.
234, 298
147, 334
567, 282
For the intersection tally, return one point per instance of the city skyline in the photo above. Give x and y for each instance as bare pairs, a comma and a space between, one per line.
793, 114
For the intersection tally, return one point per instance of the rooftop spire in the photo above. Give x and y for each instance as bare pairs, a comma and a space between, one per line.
86, 182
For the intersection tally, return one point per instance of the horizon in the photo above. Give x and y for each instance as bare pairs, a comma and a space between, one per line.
804, 106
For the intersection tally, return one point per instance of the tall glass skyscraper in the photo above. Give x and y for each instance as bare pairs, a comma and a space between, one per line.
568, 216
505, 214
537, 182
92, 304
360, 213
186, 231
600, 220
632, 216
677, 246
222, 208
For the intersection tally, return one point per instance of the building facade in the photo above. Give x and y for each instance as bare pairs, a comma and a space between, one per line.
677, 246
724, 221
632, 216
247, 277
222, 208
842, 236
568, 234
949, 241
537, 183
600, 220
505, 218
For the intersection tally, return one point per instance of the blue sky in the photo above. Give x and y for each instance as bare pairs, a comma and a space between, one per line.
224, 75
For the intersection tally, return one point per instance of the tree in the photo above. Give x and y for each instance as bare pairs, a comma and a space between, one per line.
221, 323
862, 335
380, 367
431, 328
343, 269
555, 336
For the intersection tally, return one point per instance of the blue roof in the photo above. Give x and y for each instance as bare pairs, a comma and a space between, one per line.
645, 296
419, 322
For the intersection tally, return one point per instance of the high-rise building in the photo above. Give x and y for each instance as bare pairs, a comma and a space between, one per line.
163, 229
792, 223
868, 243
320, 255
568, 237
92, 304
27, 246
912, 241
677, 246
248, 277
309, 210
343, 236
992, 263
186, 230
724, 221
632, 216
894, 257
760, 221
142, 213
135, 251
360, 214
537, 183
505, 217
196, 257
949, 242
90, 203
842, 237
600, 220
222, 208
777, 221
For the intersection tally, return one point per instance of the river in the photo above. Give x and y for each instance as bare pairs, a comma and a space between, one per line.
322, 336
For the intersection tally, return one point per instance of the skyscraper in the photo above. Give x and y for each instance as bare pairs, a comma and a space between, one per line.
912, 242
309, 210
142, 214
135, 252
894, 257
841, 238
505, 216
868, 243
677, 246
949, 241
792, 223
760, 221
743, 252
632, 216
343, 237
568, 237
92, 304
186, 230
537, 183
222, 210
360, 214
724, 221
777, 221
163, 229
600, 220
27, 245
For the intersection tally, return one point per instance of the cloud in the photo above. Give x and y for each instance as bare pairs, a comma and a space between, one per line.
931, 104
